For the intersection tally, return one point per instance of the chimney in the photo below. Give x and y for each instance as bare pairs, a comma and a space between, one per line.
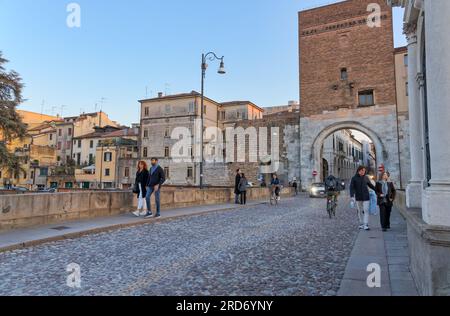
160, 94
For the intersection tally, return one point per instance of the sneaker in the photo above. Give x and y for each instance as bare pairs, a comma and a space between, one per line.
136, 213
143, 213
149, 215
158, 216
361, 226
366, 227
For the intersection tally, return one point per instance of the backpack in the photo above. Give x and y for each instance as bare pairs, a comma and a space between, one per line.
331, 184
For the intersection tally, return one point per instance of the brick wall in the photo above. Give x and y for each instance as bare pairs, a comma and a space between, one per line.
335, 37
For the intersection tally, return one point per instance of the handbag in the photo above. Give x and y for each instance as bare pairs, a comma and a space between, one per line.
136, 188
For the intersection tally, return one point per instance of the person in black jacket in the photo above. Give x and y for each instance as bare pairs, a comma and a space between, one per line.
386, 195
155, 180
140, 187
359, 192
237, 180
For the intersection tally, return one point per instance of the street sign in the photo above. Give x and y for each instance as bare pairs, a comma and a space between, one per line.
315, 173
381, 168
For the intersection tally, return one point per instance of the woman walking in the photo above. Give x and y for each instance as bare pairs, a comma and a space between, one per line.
243, 184
142, 175
386, 195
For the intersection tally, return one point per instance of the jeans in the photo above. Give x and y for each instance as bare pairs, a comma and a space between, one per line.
236, 198
363, 212
244, 197
150, 191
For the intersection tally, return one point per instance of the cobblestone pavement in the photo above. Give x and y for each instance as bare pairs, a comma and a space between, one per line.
292, 249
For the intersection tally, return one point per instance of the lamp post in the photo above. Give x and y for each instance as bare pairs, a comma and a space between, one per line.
212, 57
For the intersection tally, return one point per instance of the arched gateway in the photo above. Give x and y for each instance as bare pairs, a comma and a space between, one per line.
378, 123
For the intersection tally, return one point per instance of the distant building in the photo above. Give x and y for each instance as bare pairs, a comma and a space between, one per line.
291, 107
341, 155
161, 115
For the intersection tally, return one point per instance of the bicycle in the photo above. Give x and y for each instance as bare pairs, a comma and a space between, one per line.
332, 203
274, 198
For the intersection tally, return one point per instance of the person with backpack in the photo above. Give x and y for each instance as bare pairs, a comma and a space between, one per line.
243, 184
359, 193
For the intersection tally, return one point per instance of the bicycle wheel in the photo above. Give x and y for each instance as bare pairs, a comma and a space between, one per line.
329, 208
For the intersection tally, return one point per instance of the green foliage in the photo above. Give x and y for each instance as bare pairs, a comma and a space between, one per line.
11, 125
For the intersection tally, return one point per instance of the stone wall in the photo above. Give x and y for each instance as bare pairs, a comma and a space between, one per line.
19, 211
429, 250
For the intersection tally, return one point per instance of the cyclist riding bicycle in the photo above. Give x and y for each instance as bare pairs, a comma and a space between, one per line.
333, 188
275, 184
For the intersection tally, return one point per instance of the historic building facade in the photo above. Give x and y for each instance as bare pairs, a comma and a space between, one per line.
348, 81
426, 25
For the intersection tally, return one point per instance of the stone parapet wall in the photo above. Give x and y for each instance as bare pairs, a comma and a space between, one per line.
20, 211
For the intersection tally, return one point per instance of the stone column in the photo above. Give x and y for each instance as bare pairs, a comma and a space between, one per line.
415, 186
436, 201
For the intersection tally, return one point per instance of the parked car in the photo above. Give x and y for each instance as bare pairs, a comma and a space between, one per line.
317, 190
46, 190
20, 189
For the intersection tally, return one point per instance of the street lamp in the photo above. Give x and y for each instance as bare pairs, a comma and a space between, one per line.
212, 57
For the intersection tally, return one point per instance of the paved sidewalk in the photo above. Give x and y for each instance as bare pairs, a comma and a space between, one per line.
27, 237
387, 249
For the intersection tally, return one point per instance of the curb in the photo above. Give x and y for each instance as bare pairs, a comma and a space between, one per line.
99, 230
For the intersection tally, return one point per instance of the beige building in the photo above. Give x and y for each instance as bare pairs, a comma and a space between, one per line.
162, 115
113, 156
341, 155
239, 110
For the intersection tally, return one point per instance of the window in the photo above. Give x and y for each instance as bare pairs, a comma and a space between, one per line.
50, 136
166, 172
167, 132
78, 159
43, 172
79, 143
107, 172
204, 109
222, 115
145, 152
60, 132
145, 133
191, 107
405, 60
366, 98
91, 159
344, 74
407, 88
108, 157
166, 152
91, 144
59, 145
127, 172
146, 111
190, 151
69, 132
190, 172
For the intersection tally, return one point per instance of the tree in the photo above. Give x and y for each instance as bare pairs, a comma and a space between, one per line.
11, 125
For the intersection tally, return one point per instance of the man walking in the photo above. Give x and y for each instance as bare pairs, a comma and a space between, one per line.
359, 192
155, 181
237, 193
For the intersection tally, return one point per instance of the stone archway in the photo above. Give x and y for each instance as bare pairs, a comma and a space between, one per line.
316, 146
379, 124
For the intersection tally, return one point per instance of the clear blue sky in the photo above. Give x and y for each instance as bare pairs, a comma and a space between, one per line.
124, 46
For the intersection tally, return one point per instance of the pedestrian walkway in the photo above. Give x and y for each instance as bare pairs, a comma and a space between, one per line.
387, 249
27, 237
